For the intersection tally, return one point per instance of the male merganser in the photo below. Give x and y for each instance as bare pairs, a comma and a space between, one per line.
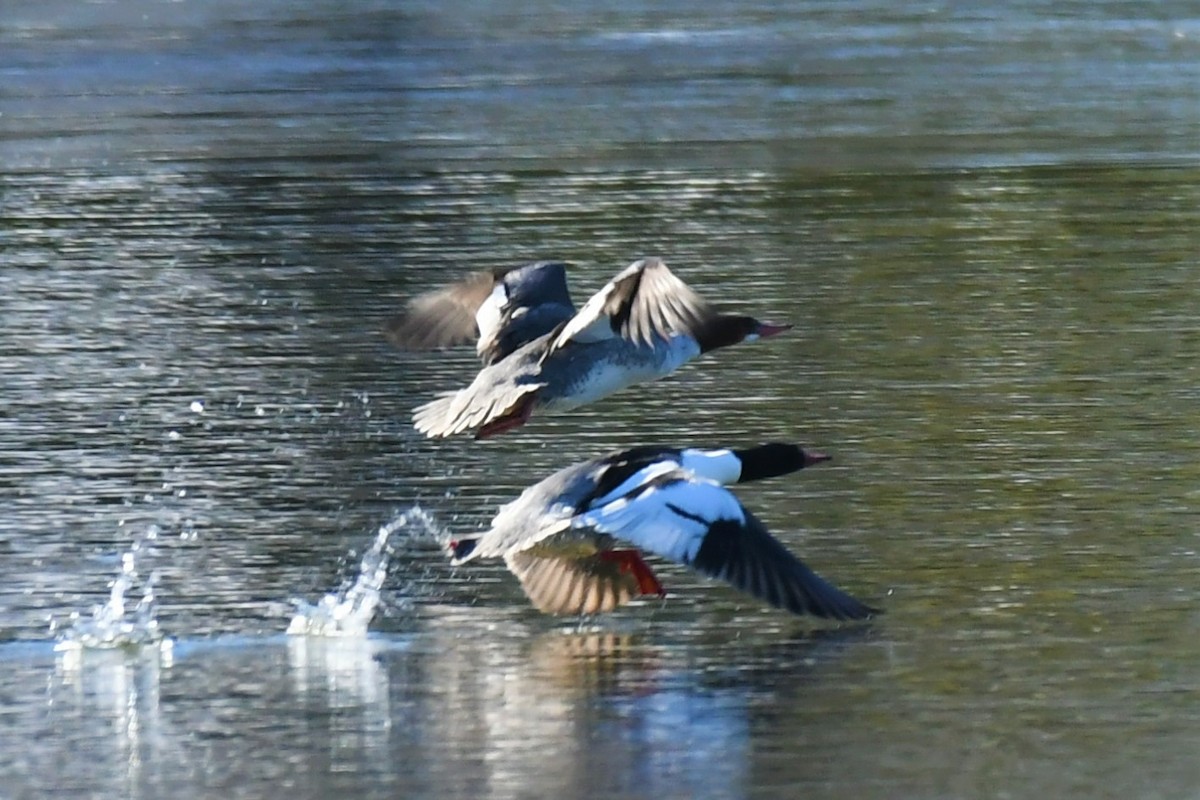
644, 324
559, 536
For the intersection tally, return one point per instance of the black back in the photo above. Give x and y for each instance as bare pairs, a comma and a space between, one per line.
619, 467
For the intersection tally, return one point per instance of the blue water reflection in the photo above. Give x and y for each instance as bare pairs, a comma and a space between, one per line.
443, 710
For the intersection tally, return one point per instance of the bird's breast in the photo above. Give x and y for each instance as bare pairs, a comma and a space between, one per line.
616, 364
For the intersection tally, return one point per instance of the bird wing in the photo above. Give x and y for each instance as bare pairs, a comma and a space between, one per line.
443, 317
525, 304
662, 509
644, 302
747, 556
703, 525
566, 585
504, 309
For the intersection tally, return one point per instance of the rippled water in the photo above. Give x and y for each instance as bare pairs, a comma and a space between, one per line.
981, 220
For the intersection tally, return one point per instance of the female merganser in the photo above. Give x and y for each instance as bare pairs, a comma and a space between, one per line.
644, 324
558, 537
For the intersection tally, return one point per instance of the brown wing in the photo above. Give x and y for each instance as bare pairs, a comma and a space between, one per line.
444, 317
571, 586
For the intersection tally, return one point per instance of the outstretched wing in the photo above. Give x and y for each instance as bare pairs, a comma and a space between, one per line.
503, 309
571, 586
644, 302
747, 556
703, 525
444, 317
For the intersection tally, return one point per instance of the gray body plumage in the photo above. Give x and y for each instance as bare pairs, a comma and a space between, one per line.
540, 510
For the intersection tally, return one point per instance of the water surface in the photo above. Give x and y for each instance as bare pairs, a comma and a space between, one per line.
981, 221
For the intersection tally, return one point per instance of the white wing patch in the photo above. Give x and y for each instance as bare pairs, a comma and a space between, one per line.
670, 520
721, 466
642, 476
591, 323
487, 317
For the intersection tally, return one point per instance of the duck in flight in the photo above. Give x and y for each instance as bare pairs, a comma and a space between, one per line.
560, 536
539, 353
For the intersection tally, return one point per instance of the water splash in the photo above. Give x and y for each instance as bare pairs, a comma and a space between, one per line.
349, 611
113, 625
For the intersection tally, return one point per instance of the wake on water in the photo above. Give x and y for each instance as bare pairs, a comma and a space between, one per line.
350, 610
113, 625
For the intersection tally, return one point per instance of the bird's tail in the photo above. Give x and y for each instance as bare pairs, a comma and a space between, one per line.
433, 418
470, 408
462, 547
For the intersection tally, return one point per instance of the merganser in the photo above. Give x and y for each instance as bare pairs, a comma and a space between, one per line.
559, 536
644, 324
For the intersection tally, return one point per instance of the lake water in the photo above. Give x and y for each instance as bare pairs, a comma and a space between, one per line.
982, 220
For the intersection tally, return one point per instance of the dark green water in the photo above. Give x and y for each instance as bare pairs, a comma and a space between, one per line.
982, 223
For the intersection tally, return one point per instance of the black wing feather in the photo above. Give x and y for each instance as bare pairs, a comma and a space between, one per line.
618, 468
749, 558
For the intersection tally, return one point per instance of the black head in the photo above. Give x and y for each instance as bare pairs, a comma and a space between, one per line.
726, 329
774, 459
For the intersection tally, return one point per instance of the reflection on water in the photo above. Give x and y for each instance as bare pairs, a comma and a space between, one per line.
112, 698
471, 703
346, 671
346, 676
563, 710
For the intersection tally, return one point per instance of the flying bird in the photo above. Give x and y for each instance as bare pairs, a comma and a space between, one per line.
561, 536
539, 353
